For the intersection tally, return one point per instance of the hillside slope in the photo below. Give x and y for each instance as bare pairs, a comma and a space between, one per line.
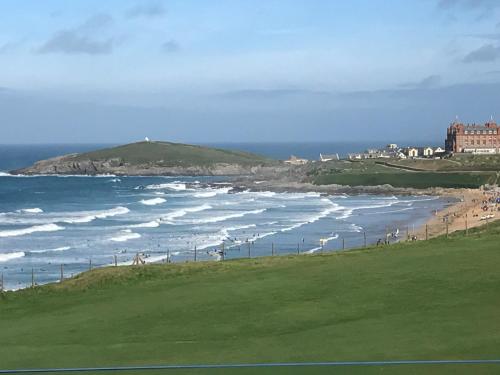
434, 299
153, 158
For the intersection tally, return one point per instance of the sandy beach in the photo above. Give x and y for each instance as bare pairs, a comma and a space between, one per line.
475, 207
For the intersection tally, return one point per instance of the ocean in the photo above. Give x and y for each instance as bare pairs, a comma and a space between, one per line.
46, 222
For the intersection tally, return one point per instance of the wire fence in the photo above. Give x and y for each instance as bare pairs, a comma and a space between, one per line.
248, 248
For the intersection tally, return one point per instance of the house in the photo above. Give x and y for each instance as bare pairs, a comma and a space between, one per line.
411, 152
296, 161
325, 157
439, 150
427, 152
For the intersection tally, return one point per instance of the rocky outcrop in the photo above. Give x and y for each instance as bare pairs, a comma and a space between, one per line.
69, 165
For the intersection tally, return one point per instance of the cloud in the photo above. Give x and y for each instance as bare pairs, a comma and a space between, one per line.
69, 42
79, 40
8, 47
170, 46
469, 4
426, 83
485, 53
146, 10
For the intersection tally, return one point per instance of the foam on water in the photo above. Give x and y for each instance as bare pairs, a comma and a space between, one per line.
37, 228
88, 216
10, 256
150, 224
218, 219
31, 210
153, 202
63, 248
170, 217
176, 186
125, 235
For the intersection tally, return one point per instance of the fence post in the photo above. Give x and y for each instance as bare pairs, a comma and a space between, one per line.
1, 282
249, 252
364, 238
298, 249
195, 253
116, 261
426, 232
466, 226
272, 248
343, 243
32, 278
447, 230
407, 233
62, 273
90, 264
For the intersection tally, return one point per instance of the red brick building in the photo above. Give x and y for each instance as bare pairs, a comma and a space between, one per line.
477, 139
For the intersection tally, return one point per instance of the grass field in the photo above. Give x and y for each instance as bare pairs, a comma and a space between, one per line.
459, 162
434, 299
418, 180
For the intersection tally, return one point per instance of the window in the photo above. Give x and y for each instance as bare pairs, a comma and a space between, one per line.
466, 132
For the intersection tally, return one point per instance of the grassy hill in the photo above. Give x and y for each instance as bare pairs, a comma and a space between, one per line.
380, 172
427, 300
172, 154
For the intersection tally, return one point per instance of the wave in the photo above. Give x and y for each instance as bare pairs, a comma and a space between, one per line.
328, 239
334, 207
177, 186
153, 202
115, 180
125, 235
88, 216
240, 227
262, 194
184, 211
150, 224
5, 174
217, 219
31, 210
37, 228
208, 194
10, 256
63, 248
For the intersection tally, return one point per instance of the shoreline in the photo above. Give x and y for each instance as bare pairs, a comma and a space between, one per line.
474, 208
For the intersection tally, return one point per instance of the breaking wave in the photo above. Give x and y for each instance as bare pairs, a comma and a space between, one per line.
184, 211
125, 235
10, 256
217, 219
153, 202
150, 224
37, 228
177, 186
88, 216
63, 248
31, 210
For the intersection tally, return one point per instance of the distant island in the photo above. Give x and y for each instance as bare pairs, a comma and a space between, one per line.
155, 159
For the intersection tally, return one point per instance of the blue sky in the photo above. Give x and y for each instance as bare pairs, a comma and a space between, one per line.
205, 71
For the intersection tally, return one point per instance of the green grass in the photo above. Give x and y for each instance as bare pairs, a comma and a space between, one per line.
419, 180
459, 162
428, 300
171, 154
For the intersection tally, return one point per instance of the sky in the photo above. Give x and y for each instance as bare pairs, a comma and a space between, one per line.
117, 71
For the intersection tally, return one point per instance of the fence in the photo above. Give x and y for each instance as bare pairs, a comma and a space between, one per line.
247, 249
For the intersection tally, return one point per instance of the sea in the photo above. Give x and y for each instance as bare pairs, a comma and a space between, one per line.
67, 224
